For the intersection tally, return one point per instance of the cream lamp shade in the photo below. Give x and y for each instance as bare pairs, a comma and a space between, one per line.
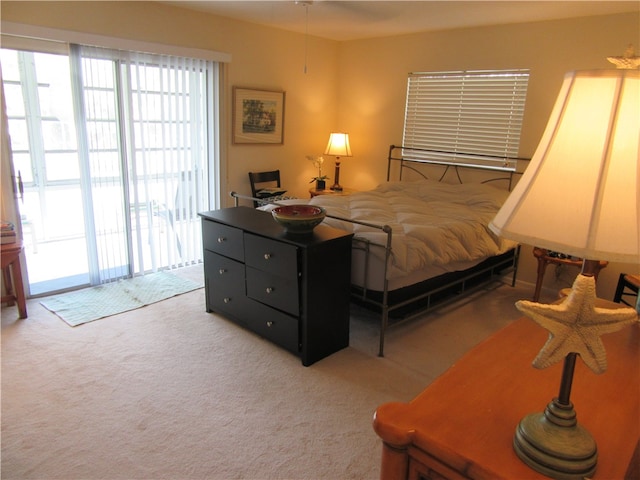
338, 145
580, 194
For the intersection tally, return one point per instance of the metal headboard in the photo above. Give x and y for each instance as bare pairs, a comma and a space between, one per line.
411, 158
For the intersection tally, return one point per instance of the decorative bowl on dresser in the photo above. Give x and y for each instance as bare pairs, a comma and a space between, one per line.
293, 290
299, 219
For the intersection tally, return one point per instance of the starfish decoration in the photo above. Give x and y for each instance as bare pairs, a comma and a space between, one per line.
576, 325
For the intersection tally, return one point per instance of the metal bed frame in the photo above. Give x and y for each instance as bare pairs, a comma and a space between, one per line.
415, 300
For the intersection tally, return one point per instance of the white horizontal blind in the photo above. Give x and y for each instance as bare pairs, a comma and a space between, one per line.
466, 117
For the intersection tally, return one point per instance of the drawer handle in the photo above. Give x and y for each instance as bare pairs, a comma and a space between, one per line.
269, 289
226, 299
222, 271
222, 239
267, 256
269, 324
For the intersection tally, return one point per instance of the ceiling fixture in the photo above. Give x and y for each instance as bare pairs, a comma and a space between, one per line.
306, 4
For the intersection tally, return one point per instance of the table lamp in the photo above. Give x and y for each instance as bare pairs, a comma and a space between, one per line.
339, 147
580, 195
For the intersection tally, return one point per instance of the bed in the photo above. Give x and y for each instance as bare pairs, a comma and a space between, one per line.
419, 241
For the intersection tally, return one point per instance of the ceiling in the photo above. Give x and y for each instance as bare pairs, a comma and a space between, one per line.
350, 20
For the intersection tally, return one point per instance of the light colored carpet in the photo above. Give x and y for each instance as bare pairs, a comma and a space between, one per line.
91, 304
172, 392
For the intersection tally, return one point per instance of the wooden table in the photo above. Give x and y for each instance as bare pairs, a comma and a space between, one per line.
12, 277
462, 425
544, 258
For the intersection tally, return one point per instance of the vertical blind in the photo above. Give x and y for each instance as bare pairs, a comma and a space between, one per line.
117, 152
144, 143
466, 117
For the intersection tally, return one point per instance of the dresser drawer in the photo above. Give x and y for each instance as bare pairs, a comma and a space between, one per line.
274, 325
271, 256
226, 285
273, 290
222, 239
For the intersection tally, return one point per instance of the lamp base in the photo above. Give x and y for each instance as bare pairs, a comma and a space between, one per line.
336, 186
553, 443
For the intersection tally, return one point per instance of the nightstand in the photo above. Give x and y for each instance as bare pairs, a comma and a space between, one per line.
545, 257
327, 191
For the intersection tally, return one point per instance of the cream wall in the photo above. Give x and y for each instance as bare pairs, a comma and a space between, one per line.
356, 86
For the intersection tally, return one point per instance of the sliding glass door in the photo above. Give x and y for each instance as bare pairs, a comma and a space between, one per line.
113, 150
44, 151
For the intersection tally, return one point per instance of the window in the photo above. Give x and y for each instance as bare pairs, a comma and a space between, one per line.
466, 118
115, 150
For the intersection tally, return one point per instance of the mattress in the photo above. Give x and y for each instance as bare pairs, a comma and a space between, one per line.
437, 228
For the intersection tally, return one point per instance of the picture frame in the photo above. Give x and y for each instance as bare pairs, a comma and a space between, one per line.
258, 117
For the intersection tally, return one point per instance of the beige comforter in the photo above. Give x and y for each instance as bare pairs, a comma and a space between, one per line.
433, 223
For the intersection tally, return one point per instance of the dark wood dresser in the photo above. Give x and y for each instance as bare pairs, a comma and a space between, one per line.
462, 425
290, 289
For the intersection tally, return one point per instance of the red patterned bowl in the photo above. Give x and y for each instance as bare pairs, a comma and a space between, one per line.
299, 218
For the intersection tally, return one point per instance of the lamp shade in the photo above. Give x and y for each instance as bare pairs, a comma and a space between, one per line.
580, 194
338, 145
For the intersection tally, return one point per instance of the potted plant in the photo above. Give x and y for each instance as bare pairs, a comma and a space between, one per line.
321, 183
320, 179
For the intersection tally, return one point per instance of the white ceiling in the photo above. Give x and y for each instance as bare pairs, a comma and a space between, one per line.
350, 20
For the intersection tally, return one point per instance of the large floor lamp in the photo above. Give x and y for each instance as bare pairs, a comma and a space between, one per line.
580, 195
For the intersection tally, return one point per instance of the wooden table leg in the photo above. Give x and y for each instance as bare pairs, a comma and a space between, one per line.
19, 289
542, 267
8, 286
12, 277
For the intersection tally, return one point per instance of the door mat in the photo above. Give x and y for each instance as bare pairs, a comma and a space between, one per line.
102, 301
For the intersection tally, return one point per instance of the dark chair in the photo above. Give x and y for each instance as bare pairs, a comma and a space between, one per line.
265, 185
628, 286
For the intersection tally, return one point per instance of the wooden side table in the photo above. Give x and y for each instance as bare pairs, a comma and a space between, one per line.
12, 277
463, 424
327, 191
544, 259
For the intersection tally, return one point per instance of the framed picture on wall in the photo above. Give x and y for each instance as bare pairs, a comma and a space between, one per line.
258, 116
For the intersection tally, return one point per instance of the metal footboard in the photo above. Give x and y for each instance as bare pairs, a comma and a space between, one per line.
462, 282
